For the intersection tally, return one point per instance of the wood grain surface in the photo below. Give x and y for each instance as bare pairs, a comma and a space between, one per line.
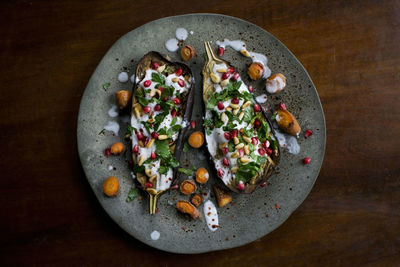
49, 214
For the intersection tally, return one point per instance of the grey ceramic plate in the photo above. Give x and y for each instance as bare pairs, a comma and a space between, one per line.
249, 217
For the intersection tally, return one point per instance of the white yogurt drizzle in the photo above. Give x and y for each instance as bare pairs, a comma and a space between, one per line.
181, 34
211, 215
287, 141
240, 46
133, 78
112, 126
112, 112
123, 77
275, 85
261, 98
172, 45
155, 235
163, 180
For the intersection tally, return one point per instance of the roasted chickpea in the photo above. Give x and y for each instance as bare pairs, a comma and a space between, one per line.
111, 186
202, 175
256, 71
123, 98
188, 52
196, 139
275, 83
117, 148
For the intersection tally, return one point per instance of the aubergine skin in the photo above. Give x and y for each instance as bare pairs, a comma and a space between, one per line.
269, 166
187, 98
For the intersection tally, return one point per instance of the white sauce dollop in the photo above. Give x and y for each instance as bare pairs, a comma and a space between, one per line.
275, 85
172, 45
112, 112
181, 34
288, 141
211, 215
191, 32
112, 126
155, 235
133, 78
110, 167
123, 77
261, 98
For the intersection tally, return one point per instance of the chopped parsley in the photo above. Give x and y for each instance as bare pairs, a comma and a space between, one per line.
133, 193
106, 85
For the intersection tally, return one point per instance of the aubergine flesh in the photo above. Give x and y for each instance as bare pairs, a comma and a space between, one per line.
162, 100
239, 136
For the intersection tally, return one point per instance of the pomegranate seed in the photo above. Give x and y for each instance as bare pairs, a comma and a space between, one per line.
254, 140
227, 136
308, 133
178, 72
157, 107
146, 109
282, 106
148, 185
235, 76
257, 124
234, 133
181, 83
175, 187
155, 65
225, 150
221, 106
139, 136
266, 144
220, 173
153, 155
251, 89
147, 83
154, 135
225, 76
161, 89
235, 101
261, 151
225, 161
173, 113
240, 186
135, 149
177, 101
107, 152
192, 124
269, 151
220, 51
256, 108
241, 152
263, 184
231, 70
306, 160
166, 99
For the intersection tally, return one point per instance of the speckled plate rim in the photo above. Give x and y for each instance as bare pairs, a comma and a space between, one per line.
80, 142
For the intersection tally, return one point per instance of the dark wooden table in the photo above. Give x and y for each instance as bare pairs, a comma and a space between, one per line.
49, 214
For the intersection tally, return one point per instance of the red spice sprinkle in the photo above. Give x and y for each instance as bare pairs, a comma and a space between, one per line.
156, 211
277, 206
263, 184
267, 215
227, 239
214, 226
174, 187
209, 213
184, 228
139, 198
107, 152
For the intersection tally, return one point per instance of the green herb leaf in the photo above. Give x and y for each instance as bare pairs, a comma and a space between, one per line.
130, 129
106, 85
158, 78
173, 122
176, 128
133, 193
163, 169
102, 131
185, 147
162, 148
142, 101
188, 172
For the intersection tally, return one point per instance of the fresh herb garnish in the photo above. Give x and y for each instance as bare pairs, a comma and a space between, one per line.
185, 147
130, 129
158, 78
106, 85
163, 169
188, 172
142, 101
133, 193
102, 131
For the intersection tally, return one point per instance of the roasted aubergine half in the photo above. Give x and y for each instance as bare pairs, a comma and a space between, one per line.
162, 102
239, 136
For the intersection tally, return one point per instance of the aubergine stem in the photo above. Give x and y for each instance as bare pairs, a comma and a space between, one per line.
210, 54
153, 202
